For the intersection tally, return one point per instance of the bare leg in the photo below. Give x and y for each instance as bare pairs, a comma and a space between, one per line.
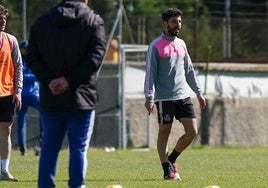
162, 140
5, 140
5, 150
190, 127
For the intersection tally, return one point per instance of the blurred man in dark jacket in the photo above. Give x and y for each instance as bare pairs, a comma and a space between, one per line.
66, 48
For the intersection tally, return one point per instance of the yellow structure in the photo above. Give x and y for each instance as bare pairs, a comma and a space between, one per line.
112, 54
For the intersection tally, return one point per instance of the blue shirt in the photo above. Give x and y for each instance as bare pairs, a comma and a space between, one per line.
30, 83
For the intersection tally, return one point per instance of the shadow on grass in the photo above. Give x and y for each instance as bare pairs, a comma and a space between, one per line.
122, 180
22, 180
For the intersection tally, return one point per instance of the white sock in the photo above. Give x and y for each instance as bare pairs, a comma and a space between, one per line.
4, 165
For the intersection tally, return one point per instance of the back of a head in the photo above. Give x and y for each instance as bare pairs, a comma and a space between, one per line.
23, 44
171, 12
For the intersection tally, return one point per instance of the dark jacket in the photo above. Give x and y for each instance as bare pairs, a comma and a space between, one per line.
69, 40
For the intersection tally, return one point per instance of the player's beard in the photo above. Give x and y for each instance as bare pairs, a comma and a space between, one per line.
173, 31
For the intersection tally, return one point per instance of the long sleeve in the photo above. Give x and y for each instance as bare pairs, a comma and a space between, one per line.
150, 75
191, 76
17, 62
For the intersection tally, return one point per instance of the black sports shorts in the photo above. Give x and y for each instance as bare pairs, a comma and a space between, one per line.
167, 110
7, 109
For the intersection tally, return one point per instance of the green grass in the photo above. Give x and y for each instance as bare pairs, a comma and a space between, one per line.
226, 167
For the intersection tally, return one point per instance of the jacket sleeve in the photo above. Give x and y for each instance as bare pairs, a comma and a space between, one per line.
17, 62
191, 77
150, 74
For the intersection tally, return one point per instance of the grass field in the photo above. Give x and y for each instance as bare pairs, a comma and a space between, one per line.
226, 167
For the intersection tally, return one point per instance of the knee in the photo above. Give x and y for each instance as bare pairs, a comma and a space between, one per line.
193, 133
164, 133
9, 130
5, 130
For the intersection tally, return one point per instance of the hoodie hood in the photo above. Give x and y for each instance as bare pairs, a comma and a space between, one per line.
68, 12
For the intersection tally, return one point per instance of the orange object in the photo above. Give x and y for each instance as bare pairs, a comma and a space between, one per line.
6, 69
112, 54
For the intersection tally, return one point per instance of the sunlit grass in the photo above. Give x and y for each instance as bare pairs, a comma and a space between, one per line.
226, 167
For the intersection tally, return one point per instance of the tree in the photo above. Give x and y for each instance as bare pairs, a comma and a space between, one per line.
239, 8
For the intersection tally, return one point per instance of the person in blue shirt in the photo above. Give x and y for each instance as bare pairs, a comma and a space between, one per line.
30, 97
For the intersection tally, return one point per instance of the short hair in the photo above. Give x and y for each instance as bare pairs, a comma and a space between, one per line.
3, 10
171, 12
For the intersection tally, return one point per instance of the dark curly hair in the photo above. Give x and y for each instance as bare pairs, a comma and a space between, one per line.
171, 12
3, 10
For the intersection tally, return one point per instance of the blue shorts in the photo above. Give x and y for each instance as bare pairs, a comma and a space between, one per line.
7, 109
167, 110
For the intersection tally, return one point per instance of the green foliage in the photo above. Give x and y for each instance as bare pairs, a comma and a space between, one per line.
153, 8
244, 39
238, 8
210, 34
7, 3
144, 16
104, 7
200, 166
156, 7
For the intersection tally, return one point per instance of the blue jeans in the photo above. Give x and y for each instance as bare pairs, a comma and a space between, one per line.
33, 101
56, 125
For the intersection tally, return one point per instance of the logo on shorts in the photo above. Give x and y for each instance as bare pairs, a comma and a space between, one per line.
167, 117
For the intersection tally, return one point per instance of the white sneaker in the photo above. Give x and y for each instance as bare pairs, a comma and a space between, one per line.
6, 176
176, 171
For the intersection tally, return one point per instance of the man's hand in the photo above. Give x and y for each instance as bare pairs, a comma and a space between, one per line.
149, 106
17, 100
202, 102
58, 86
